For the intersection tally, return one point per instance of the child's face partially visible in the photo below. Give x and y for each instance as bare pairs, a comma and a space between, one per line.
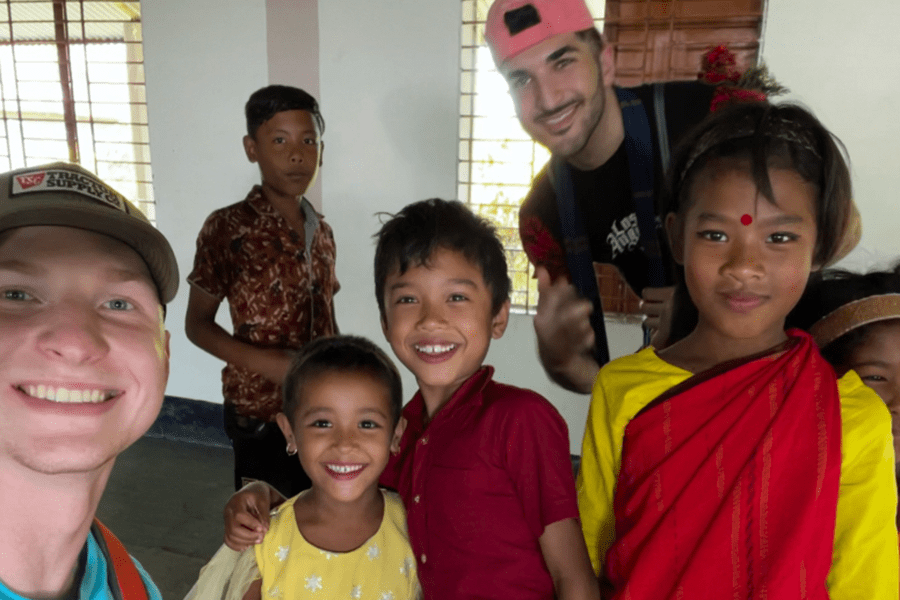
877, 362
746, 260
288, 151
439, 322
343, 431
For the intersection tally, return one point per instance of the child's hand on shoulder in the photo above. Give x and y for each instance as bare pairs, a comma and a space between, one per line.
247, 515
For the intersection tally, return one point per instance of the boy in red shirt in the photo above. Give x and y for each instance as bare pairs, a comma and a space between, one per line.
483, 468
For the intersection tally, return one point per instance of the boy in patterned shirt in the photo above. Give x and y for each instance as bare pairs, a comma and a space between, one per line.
272, 257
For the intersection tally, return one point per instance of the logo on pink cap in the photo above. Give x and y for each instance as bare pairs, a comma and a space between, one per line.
515, 25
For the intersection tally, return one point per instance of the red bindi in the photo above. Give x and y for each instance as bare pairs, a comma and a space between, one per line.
746, 220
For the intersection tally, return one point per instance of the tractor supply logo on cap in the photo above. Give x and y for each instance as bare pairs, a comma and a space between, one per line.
27, 181
58, 180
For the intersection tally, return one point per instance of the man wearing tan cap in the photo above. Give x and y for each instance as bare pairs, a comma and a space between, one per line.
84, 280
594, 201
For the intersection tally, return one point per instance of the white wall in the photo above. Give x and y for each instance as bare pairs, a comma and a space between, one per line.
388, 74
295, 25
201, 63
842, 61
388, 81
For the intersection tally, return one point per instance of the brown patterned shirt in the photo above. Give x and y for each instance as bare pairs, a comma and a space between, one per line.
280, 292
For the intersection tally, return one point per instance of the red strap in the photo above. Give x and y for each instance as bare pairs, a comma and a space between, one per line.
129, 579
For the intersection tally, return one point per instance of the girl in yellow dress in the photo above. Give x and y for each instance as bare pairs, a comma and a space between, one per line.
344, 537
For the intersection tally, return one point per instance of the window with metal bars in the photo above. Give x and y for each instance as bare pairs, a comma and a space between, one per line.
653, 40
72, 88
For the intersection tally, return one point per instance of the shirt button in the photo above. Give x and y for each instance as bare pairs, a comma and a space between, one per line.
423, 558
416, 499
424, 440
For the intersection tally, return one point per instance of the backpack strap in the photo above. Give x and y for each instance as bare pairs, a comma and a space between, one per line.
125, 582
662, 128
640, 152
639, 147
578, 252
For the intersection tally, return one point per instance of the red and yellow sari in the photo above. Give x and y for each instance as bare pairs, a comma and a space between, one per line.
729, 482
759, 479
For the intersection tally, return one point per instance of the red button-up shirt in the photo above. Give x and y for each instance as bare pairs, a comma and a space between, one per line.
480, 482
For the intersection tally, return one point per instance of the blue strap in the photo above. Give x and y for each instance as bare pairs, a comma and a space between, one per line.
639, 148
578, 253
639, 151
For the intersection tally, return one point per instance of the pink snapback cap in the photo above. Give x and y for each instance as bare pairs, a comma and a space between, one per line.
515, 25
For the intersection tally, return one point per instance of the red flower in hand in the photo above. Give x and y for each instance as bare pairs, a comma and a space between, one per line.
542, 248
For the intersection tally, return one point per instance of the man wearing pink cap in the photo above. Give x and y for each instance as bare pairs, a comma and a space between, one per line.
610, 149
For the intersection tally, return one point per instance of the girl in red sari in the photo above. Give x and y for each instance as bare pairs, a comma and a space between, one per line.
734, 463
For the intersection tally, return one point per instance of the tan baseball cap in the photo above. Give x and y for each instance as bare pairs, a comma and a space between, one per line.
68, 195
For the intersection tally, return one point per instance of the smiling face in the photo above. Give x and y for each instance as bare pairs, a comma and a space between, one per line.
85, 349
439, 321
288, 151
745, 278
559, 91
877, 361
343, 430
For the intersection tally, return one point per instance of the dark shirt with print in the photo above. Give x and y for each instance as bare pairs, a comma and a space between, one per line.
604, 195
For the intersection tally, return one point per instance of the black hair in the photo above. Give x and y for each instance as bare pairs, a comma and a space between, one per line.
411, 237
341, 354
760, 136
591, 37
265, 102
833, 288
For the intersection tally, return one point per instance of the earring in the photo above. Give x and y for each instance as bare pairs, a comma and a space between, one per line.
291, 449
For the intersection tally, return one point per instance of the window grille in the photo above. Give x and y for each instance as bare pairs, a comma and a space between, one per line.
654, 40
72, 88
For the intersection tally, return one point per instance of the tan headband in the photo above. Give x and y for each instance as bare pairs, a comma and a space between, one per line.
855, 314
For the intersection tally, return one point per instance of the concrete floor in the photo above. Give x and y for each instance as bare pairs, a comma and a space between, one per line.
164, 501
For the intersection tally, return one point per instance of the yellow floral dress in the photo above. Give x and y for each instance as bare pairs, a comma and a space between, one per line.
383, 568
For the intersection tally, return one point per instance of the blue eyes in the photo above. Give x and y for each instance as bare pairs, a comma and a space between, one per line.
115, 304
119, 304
